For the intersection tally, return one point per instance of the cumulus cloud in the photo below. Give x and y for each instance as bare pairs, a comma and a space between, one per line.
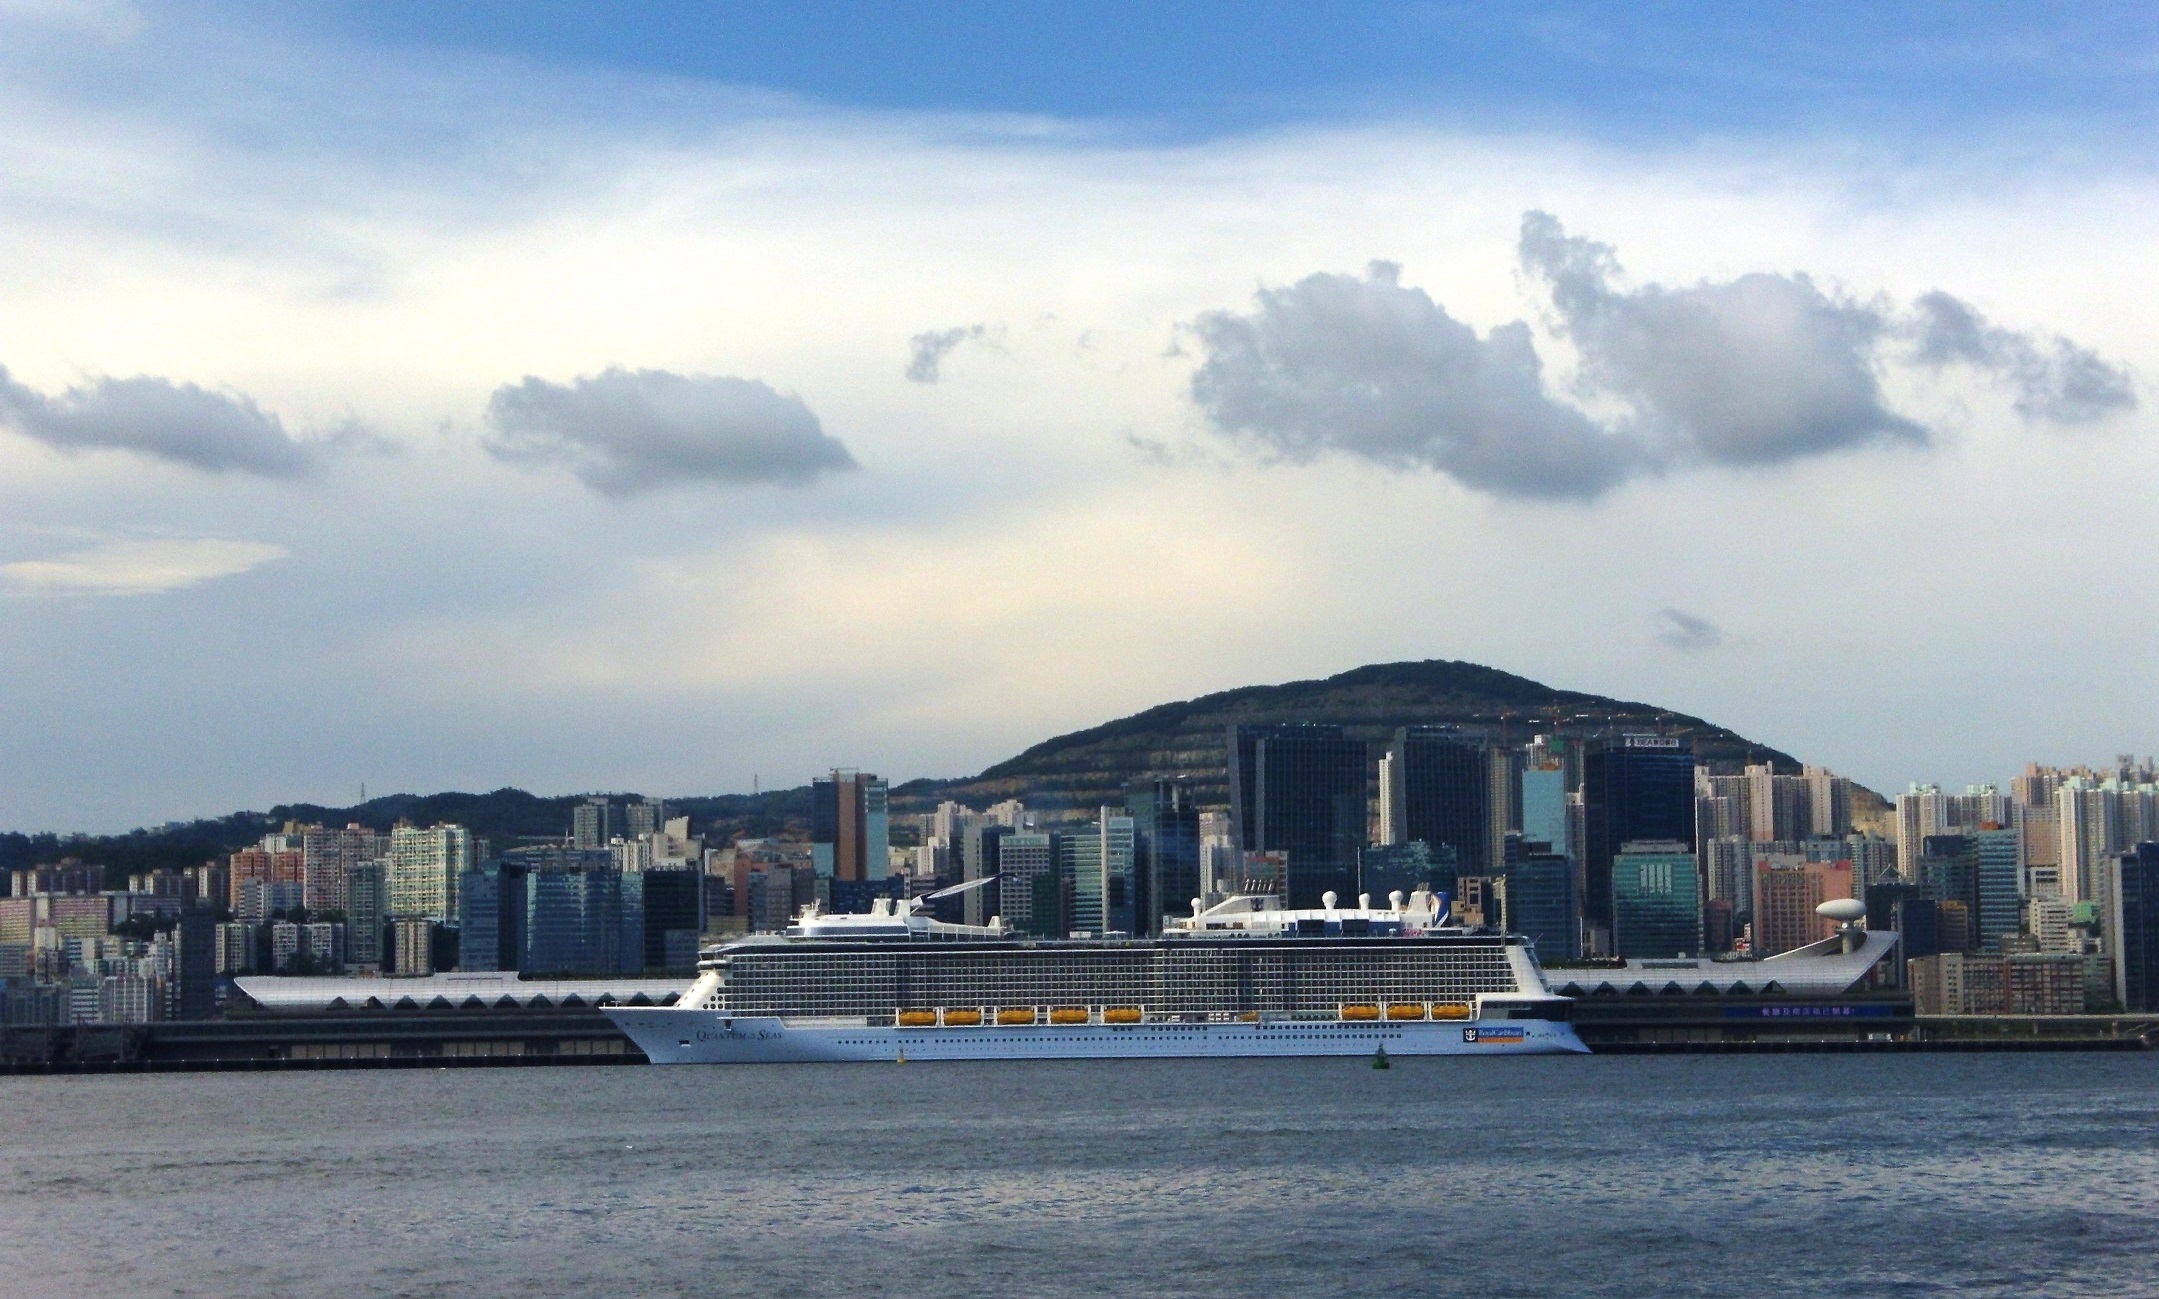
1758, 370
926, 352
2055, 379
623, 432
1755, 371
138, 567
1685, 632
151, 416
1368, 367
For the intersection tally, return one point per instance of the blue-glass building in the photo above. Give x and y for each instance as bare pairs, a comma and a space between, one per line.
1656, 900
1541, 903
1544, 807
579, 919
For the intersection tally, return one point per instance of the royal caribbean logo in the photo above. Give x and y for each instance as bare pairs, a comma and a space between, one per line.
1475, 1035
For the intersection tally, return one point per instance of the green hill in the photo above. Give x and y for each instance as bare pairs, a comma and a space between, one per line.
1187, 739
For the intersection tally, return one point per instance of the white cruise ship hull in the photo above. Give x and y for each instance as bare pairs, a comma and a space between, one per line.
685, 1036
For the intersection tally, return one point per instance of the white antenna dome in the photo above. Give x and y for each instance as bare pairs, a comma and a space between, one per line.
1842, 910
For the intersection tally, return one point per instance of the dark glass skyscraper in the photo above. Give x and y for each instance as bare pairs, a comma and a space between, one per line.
1441, 793
674, 918
2132, 927
1165, 819
1641, 787
1298, 788
1540, 904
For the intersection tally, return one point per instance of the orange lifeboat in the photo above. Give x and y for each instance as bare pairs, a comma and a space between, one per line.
1122, 1015
1449, 1010
1016, 1015
1360, 1012
917, 1018
1405, 1010
962, 1018
1069, 1015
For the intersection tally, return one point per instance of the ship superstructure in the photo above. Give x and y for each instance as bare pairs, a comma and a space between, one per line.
1245, 977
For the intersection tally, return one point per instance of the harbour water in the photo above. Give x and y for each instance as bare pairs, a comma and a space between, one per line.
1758, 1175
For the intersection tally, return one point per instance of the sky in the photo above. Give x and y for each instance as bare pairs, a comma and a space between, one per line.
671, 397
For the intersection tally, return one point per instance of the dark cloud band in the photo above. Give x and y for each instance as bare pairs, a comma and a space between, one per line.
150, 416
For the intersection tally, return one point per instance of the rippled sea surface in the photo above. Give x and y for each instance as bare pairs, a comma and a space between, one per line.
1762, 1175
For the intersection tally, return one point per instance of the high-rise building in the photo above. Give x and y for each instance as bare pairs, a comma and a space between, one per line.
367, 908
1544, 807
479, 920
1030, 887
195, 959
1166, 817
577, 917
1780, 808
1118, 860
672, 911
1921, 811
645, 817
426, 867
1953, 926
980, 861
412, 946
1656, 900
850, 826
1997, 885
1299, 789
1786, 893
1728, 871
1505, 806
2132, 926
1540, 904
2036, 787
1639, 788
1829, 803
2088, 818
1441, 792
592, 823
1079, 864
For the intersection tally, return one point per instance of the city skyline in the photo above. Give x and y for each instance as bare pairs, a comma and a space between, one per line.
657, 405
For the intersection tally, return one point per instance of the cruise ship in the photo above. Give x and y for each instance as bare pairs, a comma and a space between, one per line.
1245, 977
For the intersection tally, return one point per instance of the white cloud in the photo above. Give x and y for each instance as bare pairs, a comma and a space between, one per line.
137, 567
